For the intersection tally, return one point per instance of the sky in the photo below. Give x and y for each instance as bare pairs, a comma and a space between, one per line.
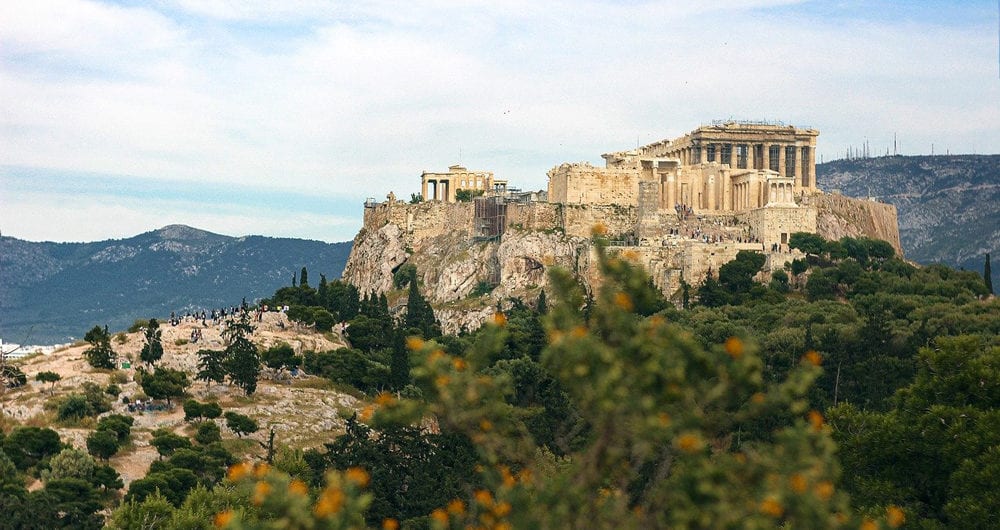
280, 118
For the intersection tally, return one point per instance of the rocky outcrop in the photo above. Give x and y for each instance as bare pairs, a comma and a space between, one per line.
465, 277
839, 216
375, 254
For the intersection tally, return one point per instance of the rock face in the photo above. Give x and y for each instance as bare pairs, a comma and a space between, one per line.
839, 216
465, 277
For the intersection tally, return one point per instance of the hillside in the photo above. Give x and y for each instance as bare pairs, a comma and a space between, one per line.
50, 292
947, 204
316, 407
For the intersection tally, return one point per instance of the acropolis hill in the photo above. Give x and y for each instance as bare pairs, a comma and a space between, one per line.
680, 207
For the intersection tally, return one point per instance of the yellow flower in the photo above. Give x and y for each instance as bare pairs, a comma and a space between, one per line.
261, 469
434, 356
223, 518
757, 398
623, 301
895, 516
813, 358
631, 255
442, 380
734, 347
298, 487
459, 364
798, 483
383, 399
260, 492
238, 471
524, 476
824, 490
508, 480
485, 425
329, 503
816, 420
414, 343
440, 516
390, 524
456, 507
483, 497
366, 413
663, 418
358, 476
771, 507
500, 319
599, 229
578, 332
868, 524
502, 508
689, 442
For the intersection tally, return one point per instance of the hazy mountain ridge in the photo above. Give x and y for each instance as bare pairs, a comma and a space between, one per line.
947, 204
50, 292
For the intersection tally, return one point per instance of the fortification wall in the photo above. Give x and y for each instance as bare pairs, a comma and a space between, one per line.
587, 184
840, 216
775, 224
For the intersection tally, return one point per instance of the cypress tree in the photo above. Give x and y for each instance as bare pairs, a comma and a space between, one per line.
988, 274
152, 351
304, 278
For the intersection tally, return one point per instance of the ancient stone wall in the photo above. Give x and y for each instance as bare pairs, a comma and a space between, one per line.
775, 224
586, 184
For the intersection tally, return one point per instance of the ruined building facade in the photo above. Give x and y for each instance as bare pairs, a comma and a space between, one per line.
444, 186
727, 168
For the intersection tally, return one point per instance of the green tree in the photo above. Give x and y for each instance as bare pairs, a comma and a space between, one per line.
152, 350
118, 424
27, 446
48, 377
207, 433
988, 274
211, 366
100, 354
102, 444
304, 278
192, 410
807, 242
166, 442
165, 383
419, 314
240, 424
242, 359
70, 463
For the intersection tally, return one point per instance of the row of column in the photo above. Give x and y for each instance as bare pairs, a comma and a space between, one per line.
442, 187
780, 192
745, 196
792, 161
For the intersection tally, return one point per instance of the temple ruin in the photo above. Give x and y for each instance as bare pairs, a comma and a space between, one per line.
444, 186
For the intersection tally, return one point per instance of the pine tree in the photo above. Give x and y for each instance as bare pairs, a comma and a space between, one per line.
988, 274
100, 354
419, 313
152, 351
242, 358
211, 366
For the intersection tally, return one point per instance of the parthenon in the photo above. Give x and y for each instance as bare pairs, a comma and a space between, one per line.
723, 167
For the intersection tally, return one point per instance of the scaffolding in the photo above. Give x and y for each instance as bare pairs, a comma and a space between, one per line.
490, 218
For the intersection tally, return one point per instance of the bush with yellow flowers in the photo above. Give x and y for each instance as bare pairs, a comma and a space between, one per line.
272, 499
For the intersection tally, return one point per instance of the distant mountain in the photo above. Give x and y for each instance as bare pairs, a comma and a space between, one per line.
948, 205
50, 292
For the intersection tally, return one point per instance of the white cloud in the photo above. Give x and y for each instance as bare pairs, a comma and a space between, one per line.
358, 97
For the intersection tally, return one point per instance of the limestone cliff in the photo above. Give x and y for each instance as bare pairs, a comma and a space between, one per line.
465, 277
839, 216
